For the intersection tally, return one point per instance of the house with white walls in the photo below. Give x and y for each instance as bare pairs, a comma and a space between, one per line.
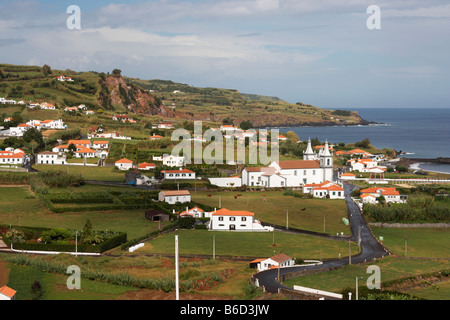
146, 166
12, 157
279, 261
179, 174
172, 161
175, 196
314, 168
6, 293
124, 164
226, 182
235, 220
48, 157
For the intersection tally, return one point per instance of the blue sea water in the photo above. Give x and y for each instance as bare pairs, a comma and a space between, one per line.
421, 133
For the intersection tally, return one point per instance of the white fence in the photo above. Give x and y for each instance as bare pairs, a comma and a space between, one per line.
133, 248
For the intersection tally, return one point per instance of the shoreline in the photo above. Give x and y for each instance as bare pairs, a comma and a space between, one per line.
416, 166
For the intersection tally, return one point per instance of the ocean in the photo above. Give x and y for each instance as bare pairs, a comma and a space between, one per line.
420, 133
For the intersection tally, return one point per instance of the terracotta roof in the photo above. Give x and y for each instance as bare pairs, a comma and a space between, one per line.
100, 142
178, 171
299, 164
145, 165
348, 174
280, 258
390, 193
7, 291
124, 161
79, 142
85, 150
176, 193
226, 212
365, 195
255, 169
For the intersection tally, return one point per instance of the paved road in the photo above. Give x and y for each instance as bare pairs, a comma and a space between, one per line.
370, 248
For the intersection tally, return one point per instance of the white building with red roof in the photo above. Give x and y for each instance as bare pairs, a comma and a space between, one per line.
235, 220
124, 164
390, 194
48, 157
279, 261
6, 293
314, 168
12, 157
146, 166
178, 174
172, 197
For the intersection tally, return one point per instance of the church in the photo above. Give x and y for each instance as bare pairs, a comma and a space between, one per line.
314, 168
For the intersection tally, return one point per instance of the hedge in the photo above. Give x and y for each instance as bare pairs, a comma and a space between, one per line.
32, 232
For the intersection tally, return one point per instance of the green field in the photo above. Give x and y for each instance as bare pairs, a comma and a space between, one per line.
273, 210
88, 173
251, 244
391, 268
420, 242
19, 207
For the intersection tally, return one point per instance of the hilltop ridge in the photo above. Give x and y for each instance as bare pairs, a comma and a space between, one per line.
168, 99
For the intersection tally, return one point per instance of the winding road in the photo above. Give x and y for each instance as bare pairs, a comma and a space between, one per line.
370, 249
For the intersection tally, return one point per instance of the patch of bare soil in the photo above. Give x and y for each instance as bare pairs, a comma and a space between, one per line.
4, 274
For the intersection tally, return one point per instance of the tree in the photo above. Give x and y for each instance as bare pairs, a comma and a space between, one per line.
245, 125
35, 135
46, 69
36, 290
227, 121
86, 236
117, 72
401, 168
363, 144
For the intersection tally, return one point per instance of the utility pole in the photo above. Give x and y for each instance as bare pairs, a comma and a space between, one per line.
349, 253
177, 286
324, 225
287, 219
406, 244
214, 247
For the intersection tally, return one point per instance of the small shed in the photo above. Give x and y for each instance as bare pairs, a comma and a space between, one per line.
157, 215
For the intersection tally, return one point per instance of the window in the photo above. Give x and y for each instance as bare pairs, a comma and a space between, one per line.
220, 218
295, 172
243, 219
304, 172
232, 218
314, 172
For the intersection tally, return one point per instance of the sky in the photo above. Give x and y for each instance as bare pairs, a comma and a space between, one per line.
316, 52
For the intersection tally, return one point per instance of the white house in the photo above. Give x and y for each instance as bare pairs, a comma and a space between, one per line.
228, 182
314, 168
194, 212
124, 164
347, 176
14, 157
146, 166
332, 191
85, 153
368, 198
279, 261
178, 174
361, 165
165, 125
100, 145
173, 197
390, 194
228, 220
172, 161
6, 293
63, 78
48, 157
53, 124
47, 106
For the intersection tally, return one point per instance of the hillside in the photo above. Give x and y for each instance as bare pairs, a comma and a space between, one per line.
214, 104
167, 99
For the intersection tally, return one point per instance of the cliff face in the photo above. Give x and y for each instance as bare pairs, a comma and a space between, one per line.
115, 93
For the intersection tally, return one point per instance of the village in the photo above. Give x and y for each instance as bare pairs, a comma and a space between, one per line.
139, 177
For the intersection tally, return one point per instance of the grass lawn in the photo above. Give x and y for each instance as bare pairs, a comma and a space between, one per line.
273, 210
31, 212
391, 268
88, 173
420, 242
251, 244
54, 286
